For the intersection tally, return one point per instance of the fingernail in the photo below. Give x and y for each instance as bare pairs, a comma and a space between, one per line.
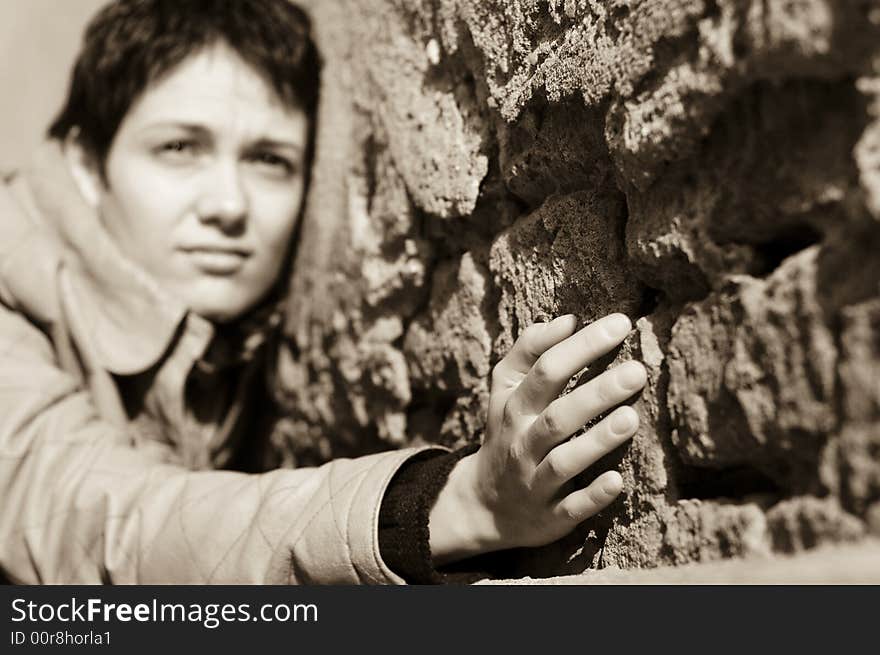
612, 487
566, 318
621, 422
631, 375
617, 326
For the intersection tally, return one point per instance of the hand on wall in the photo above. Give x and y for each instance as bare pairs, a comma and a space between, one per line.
518, 489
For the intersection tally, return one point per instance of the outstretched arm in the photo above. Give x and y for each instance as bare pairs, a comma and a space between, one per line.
79, 504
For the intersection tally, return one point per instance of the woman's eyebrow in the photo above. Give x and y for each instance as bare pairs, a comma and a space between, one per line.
292, 147
193, 129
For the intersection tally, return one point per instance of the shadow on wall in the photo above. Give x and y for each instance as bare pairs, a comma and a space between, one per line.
38, 40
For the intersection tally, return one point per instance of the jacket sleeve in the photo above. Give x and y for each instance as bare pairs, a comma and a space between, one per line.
79, 504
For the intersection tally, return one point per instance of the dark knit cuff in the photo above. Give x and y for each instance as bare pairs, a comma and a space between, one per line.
404, 538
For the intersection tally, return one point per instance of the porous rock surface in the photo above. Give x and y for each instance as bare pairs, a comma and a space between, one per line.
711, 168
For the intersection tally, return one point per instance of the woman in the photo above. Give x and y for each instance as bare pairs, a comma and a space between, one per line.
143, 260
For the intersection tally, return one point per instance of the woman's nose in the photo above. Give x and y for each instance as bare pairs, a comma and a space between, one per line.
224, 200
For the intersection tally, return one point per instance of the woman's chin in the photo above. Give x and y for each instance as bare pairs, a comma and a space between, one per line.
217, 299
221, 311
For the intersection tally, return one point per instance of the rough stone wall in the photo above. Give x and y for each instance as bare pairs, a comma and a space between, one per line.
711, 168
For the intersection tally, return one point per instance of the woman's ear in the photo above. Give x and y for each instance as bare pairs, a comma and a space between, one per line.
84, 168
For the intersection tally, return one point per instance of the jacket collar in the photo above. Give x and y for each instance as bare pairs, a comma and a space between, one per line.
132, 320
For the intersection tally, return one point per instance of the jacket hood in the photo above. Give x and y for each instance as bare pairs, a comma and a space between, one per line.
52, 239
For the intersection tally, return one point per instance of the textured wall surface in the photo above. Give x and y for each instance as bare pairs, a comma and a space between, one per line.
710, 168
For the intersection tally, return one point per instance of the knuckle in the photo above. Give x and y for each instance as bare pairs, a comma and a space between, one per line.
606, 390
551, 422
528, 336
539, 369
514, 451
531, 483
543, 370
508, 417
519, 462
568, 512
556, 465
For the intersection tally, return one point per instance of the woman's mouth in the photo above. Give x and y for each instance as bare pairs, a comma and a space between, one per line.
217, 260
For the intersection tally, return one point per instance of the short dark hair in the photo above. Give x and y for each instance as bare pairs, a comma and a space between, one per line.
131, 44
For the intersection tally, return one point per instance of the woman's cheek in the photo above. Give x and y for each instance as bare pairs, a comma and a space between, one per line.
275, 222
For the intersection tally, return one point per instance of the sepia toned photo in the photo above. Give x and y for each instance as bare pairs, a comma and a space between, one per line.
494, 292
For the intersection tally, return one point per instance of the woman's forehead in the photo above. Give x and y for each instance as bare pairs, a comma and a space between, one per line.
218, 91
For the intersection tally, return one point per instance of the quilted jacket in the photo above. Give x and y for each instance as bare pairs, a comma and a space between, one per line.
114, 423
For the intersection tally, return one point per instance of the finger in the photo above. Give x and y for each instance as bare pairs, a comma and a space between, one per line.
584, 503
530, 345
509, 372
567, 414
572, 457
554, 368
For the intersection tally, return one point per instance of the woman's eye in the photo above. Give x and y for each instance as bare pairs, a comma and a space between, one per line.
274, 163
177, 148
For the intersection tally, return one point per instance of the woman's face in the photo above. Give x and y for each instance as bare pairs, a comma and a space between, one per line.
204, 183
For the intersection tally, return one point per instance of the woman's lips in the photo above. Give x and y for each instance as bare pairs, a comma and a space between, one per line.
214, 260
